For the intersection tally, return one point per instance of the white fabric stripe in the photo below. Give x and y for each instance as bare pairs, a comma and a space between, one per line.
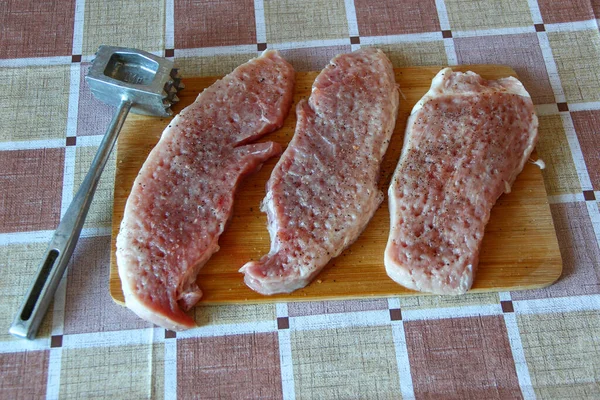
170, 368
551, 68
494, 32
580, 167
214, 51
169, 25
229, 329
286, 364
558, 305
355, 47
261, 26
572, 26
516, 346
565, 198
337, 321
310, 43
32, 144
82, 141
68, 179
21, 345
597, 195
546, 109
351, 17
402, 361
78, 26
504, 296
393, 302
592, 105
89, 141
34, 61
281, 310
451, 312
113, 338
53, 382
592, 207
45, 236
440, 5
408, 38
450, 51
536, 15
58, 309
73, 109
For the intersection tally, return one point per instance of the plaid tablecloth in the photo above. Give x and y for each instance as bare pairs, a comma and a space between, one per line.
540, 343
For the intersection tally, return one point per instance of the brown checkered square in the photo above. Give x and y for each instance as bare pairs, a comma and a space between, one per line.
556, 11
562, 107
580, 254
586, 125
395, 314
170, 334
235, 367
169, 52
283, 323
207, 23
539, 27
36, 28
23, 375
354, 40
589, 195
30, 189
446, 34
469, 358
522, 52
261, 46
389, 17
56, 341
507, 306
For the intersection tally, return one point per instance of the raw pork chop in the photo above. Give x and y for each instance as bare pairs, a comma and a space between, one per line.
183, 195
323, 191
466, 141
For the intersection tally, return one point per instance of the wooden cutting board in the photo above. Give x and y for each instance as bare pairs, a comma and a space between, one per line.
519, 250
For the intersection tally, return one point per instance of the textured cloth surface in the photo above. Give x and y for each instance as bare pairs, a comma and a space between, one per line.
531, 344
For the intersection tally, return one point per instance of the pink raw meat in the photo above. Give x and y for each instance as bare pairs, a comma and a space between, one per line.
183, 195
466, 141
323, 191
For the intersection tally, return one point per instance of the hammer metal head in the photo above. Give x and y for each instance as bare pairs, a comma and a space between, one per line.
149, 82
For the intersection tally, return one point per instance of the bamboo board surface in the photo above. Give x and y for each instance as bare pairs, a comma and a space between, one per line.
519, 250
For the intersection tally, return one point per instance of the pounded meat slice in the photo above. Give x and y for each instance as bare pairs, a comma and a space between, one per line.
323, 191
183, 195
466, 141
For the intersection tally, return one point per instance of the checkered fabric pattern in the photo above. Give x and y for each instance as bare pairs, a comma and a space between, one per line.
531, 344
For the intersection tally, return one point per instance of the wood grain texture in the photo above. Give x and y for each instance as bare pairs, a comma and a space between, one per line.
519, 251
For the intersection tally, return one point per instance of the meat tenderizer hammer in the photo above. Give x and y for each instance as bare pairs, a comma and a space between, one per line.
132, 80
